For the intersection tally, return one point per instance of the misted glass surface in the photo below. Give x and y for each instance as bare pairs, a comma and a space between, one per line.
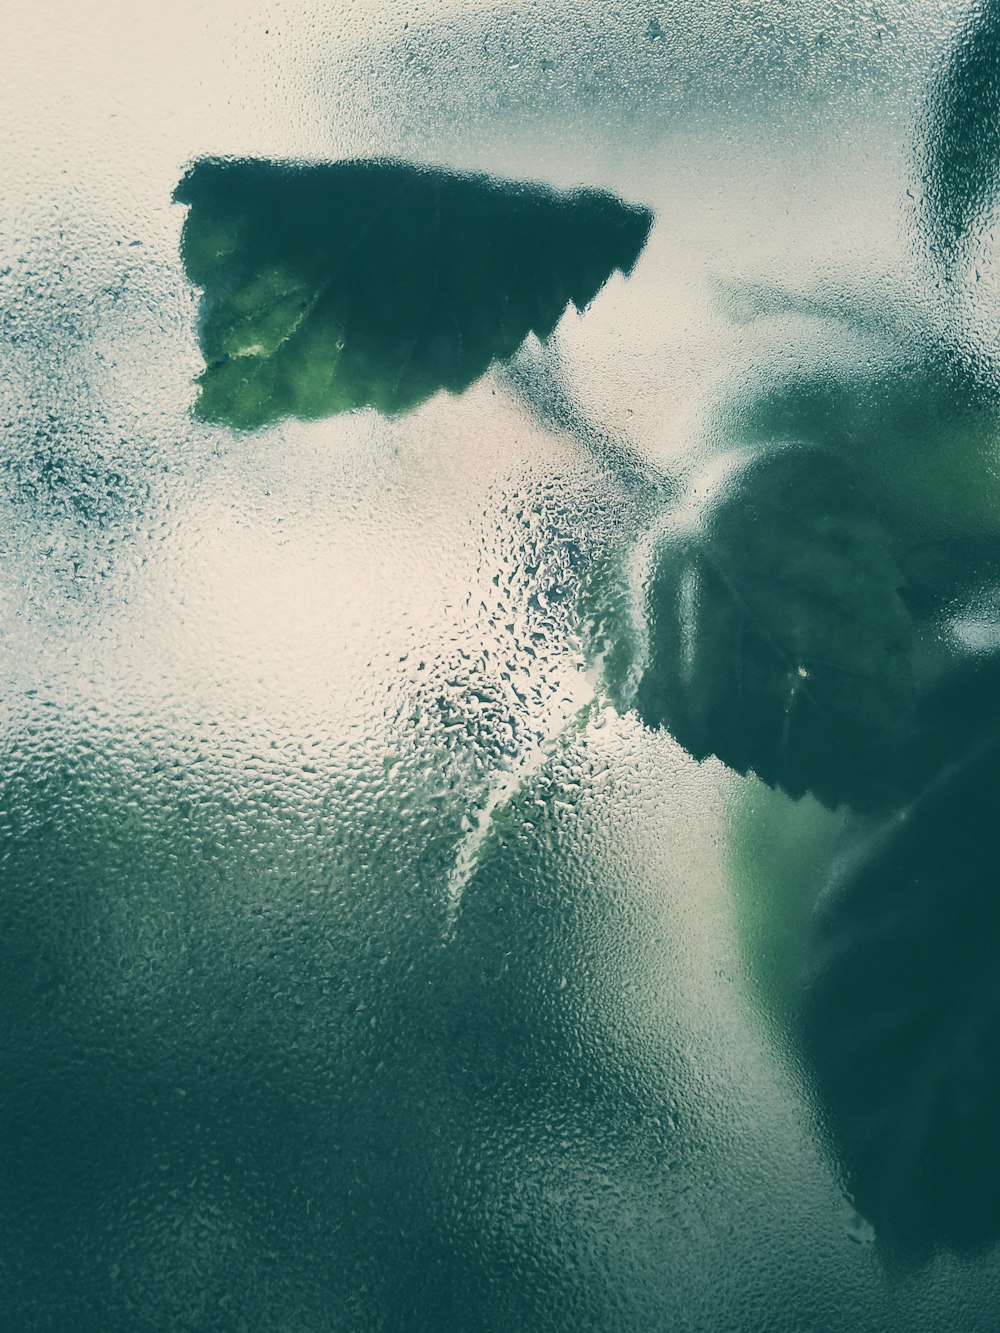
500, 514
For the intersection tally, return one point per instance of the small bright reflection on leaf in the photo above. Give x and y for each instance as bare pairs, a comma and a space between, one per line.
329, 287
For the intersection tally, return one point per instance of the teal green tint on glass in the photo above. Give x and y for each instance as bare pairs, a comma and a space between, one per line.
523, 864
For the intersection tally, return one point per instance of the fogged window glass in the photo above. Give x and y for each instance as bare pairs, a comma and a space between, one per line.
499, 650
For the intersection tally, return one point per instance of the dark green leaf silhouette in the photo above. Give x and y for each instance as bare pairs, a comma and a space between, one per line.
901, 1019
377, 283
778, 640
915, 416
962, 149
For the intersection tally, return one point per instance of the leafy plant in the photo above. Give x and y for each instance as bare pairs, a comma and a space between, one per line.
780, 616
777, 637
901, 1005
328, 287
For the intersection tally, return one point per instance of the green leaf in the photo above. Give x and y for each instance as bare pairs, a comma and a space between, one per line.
908, 408
962, 149
328, 287
901, 1010
778, 640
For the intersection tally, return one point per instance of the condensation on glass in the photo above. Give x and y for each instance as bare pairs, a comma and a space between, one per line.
402, 928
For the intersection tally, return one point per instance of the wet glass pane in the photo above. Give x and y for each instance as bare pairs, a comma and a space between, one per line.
500, 513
